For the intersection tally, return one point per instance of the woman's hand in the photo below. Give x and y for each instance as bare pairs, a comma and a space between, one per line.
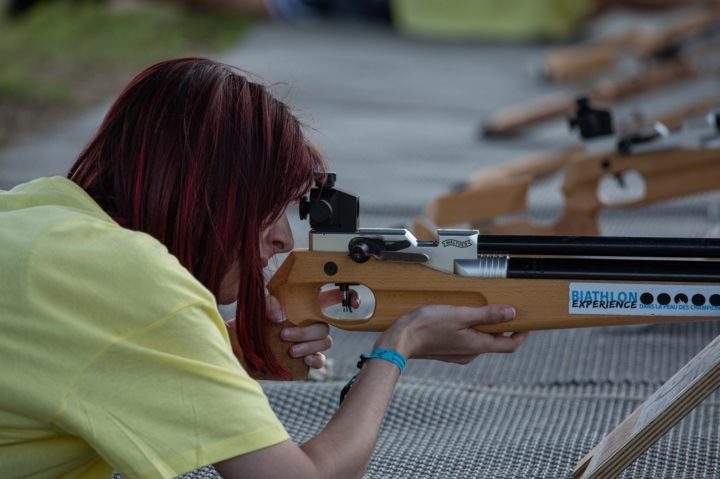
446, 333
310, 340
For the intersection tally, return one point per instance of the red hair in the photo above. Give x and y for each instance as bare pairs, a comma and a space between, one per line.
201, 158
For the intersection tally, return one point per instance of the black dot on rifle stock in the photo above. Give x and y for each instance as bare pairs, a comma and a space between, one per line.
698, 299
646, 298
330, 268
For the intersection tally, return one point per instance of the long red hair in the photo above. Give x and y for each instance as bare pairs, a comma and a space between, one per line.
201, 158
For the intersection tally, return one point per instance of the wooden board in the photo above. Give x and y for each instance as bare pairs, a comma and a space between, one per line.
655, 417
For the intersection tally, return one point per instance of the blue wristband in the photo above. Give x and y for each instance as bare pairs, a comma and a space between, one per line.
387, 354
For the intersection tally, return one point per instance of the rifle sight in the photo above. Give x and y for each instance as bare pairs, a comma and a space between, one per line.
330, 210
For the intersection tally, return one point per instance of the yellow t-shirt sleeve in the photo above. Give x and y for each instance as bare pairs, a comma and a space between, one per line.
169, 398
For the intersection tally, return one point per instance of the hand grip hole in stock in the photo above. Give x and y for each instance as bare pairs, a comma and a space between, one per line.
627, 187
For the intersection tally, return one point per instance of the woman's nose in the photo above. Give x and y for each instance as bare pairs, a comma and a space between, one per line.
280, 236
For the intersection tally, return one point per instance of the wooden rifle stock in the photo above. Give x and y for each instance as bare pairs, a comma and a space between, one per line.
491, 193
667, 174
399, 288
576, 62
660, 73
511, 119
534, 166
673, 118
501, 191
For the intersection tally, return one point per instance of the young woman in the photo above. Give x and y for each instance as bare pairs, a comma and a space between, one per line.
112, 353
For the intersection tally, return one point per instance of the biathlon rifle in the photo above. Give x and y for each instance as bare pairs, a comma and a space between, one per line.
672, 163
683, 62
553, 282
499, 191
643, 44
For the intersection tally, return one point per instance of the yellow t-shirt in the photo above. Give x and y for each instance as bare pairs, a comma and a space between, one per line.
112, 355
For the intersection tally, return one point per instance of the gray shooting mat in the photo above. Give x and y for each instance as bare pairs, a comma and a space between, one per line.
441, 431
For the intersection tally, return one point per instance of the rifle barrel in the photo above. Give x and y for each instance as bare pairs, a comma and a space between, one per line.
613, 269
599, 246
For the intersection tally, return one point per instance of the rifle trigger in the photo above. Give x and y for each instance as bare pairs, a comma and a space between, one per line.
346, 296
621, 180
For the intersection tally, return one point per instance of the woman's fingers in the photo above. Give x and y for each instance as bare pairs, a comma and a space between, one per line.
491, 314
447, 332
468, 349
315, 360
312, 332
467, 317
508, 344
334, 296
310, 347
310, 339
273, 309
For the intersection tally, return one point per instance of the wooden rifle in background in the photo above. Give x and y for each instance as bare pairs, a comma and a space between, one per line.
683, 61
671, 163
491, 193
643, 43
553, 282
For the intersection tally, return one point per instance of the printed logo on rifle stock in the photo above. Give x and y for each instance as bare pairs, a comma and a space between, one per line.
633, 299
456, 243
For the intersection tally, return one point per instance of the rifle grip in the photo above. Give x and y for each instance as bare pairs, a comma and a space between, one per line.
296, 367
300, 303
581, 212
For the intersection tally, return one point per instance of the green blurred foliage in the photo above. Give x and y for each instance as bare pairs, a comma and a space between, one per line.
66, 52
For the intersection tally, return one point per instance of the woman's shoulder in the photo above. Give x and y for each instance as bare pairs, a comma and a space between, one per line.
112, 261
63, 249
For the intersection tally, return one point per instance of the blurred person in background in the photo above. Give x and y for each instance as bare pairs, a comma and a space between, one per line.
113, 355
505, 20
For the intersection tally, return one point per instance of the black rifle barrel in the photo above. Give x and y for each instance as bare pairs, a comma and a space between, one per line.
599, 246
614, 269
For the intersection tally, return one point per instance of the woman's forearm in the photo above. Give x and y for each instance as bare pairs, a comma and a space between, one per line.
344, 447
